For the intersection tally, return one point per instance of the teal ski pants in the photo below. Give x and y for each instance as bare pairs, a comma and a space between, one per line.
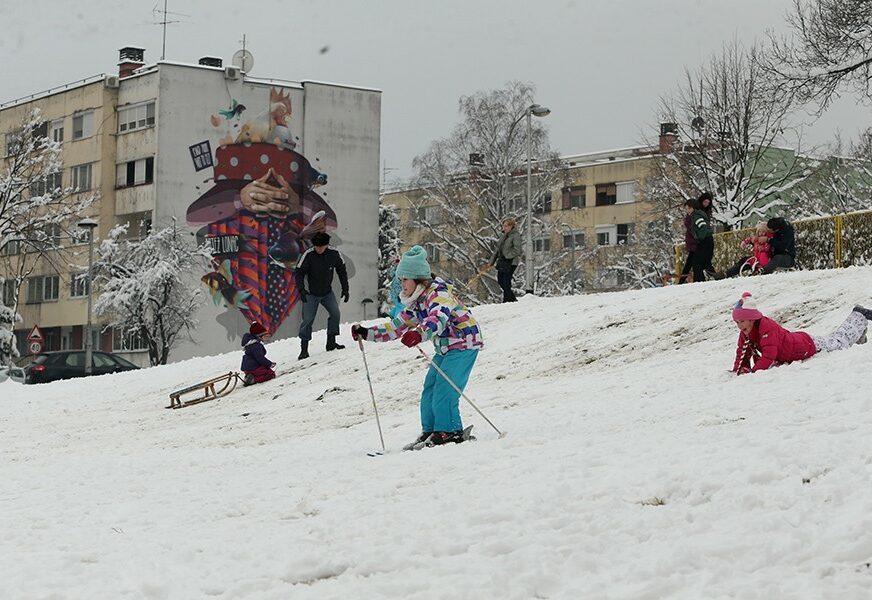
440, 409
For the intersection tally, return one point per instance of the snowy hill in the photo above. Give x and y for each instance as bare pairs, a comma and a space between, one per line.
636, 466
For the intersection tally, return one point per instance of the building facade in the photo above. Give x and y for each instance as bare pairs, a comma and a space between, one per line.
184, 143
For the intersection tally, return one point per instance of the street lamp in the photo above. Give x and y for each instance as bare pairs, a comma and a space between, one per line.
538, 111
572, 233
89, 224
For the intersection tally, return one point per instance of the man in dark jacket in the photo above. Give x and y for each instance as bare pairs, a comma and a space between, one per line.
783, 245
318, 264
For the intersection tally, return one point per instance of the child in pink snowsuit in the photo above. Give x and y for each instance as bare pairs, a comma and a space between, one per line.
759, 241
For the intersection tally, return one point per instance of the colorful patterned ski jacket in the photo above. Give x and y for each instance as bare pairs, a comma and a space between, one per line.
440, 316
770, 343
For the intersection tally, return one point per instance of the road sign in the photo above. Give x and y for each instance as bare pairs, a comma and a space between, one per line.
35, 335
35, 347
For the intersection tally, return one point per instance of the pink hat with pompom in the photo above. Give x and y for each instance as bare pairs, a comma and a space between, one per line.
746, 309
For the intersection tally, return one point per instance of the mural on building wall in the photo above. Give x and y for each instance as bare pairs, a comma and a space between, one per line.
261, 212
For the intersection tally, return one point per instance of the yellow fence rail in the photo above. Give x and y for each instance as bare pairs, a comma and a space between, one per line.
821, 243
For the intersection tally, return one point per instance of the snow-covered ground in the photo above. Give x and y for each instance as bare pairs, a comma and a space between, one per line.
636, 466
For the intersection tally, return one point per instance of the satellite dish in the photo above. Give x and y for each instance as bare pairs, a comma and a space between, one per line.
244, 60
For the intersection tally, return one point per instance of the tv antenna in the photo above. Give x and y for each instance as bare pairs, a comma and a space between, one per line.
243, 58
164, 22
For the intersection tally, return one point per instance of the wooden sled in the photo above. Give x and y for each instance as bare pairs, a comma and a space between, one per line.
212, 389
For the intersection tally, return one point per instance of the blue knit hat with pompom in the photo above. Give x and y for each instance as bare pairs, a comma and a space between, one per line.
414, 265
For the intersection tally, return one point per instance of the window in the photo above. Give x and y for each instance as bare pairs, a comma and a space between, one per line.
56, 130
13, 143
429, 214
134, 172
577, 238
78, 285
10, 248
50, 288
81, 178
127, 342
542, 245
433, 252
34, 290
626, 192
606, 194
50, 233
574, 197
8, 292
605, 235
544, 205
75, 359
46, 185
624, 233
80, 235
135, 117
516, 203
83, 125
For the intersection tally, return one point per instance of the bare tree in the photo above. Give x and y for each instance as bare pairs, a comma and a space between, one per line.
388, 250
36, 211
841, 184
8, 349
729, 126
831, 49
476, 176
147, 288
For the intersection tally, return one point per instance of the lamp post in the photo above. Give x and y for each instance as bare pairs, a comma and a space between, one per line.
572, 233
539, 111
89, 224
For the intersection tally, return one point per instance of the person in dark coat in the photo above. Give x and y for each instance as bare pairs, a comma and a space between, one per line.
256, 366
783, 245
704, 236
507, 257
763, 343
689, 241
318, 265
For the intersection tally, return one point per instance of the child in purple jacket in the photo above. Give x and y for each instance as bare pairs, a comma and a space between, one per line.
256, 366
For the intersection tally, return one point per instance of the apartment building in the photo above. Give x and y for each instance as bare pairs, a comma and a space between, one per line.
183, 142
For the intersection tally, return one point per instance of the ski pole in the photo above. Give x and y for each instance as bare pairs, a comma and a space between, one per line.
459, 391
372, 394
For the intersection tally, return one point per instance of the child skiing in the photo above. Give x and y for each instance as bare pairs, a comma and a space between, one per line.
255, 365
765, 343
432, 311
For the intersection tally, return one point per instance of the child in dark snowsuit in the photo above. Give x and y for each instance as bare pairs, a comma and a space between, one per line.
256, 366
764, 343
432, 311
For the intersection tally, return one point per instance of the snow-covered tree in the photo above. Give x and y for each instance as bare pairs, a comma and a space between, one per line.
842, 183
36, 211
8, 348
476, 176
388, 250
830, 50
148, 287
729, 126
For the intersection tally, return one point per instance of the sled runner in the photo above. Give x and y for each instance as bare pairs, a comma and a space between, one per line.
211, 389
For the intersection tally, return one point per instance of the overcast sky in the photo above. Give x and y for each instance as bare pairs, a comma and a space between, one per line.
600, 65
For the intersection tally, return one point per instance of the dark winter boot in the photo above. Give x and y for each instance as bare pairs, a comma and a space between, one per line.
419, 441
864, 311
332, 345
445, 437
248, 380
304, 349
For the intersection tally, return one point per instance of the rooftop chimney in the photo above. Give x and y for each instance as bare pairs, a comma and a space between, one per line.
211, 61
130, 58
668, 135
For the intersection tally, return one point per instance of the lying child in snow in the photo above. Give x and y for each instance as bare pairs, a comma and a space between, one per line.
256, 366
765, 343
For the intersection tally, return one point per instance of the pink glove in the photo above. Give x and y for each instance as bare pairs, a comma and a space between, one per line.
411, 338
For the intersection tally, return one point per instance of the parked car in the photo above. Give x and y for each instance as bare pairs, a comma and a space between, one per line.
12, 372
67, 364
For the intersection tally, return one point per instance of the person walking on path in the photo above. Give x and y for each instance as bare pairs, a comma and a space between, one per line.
256, 366
690, 243
432, 311
318, 264
506, 258
763, 343
704, 236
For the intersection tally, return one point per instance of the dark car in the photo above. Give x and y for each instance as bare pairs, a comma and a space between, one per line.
67, 364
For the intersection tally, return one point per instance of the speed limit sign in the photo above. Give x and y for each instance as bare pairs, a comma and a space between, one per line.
35, 347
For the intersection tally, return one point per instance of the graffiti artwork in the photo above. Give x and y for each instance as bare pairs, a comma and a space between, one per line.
260, 213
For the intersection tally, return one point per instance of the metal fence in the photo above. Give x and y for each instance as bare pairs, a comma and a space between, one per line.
821, 243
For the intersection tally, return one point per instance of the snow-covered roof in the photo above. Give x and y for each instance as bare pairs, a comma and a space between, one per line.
51, 91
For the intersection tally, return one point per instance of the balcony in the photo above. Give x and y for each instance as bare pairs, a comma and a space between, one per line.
134, 199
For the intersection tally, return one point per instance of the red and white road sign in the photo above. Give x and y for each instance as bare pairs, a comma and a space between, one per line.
35, 335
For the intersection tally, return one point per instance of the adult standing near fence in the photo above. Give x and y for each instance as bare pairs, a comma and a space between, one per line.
689, 241
317, 265
506, 258
783, 245
703, 234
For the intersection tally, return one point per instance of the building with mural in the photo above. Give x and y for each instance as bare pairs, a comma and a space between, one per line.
207, 145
